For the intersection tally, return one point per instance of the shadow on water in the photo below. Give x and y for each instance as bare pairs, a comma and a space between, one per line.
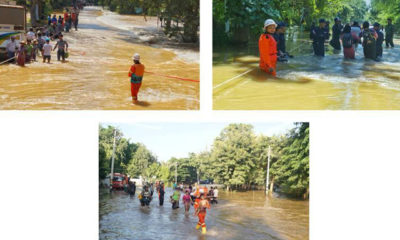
244, 215
142, 104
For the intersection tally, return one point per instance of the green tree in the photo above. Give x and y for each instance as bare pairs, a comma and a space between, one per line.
232, 155
291, 170
381, 10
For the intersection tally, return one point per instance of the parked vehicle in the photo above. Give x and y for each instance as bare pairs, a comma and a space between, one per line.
206, 181
120, 181
12, 23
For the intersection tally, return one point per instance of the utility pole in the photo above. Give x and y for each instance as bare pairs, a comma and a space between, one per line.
176, 173
267, 180
113, 157
198, 176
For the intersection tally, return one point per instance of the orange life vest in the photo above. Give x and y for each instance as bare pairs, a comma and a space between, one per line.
137, 69
197, 204
199, 190
268, 53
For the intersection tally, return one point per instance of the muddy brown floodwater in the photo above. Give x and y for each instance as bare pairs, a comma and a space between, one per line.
306, 82
96, 74
239, 215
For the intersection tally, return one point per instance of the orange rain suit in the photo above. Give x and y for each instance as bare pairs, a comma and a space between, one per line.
136, 73
268, 53
203, 190
202, 212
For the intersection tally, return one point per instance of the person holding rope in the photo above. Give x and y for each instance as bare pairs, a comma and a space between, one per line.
11, 48
279, 36
21, 54
136, 74
62, 48
268, 48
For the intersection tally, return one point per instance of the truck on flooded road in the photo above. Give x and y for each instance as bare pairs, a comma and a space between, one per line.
12, 23
119, 181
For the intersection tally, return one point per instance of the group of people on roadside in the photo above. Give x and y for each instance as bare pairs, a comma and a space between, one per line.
38, 41
349, 36
272, 45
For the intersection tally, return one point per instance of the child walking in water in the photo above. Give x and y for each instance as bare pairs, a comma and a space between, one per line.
187, 200
200, 207
267, 47
136, 74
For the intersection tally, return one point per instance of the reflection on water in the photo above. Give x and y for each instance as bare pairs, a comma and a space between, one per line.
306, 82
241, 215
96, 76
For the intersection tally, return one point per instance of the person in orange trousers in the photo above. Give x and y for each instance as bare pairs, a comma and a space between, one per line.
136, 74
201, 204
268, 49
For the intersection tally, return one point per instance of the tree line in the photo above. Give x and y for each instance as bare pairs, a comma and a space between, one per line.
237, 159
180, 17
242, 21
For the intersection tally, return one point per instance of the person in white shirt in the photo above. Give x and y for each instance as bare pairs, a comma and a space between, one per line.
11, 47
30, 35
47, 47
215, 195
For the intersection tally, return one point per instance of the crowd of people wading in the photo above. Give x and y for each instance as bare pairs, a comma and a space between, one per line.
272, 44
199, 196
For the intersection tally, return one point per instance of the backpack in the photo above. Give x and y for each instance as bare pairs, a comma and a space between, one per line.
347, 40
368, 37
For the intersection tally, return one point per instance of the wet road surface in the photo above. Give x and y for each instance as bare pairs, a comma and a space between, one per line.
240, 215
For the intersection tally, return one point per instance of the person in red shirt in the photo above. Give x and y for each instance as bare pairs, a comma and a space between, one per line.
201, 204
136, 74
74, 18
268, 48
65, 22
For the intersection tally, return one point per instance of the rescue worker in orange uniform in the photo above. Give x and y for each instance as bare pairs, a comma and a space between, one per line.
201, 190
201, 204
268, 49
136, 74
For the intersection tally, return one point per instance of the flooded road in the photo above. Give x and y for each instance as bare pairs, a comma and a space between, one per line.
306, 82
96, 74
240, 215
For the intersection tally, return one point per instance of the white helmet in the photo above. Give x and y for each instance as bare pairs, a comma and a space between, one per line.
136, 56
269, 22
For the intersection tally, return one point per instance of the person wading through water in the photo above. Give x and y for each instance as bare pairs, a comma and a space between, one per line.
369, 37
145, 196
348, 43
379, 40
268, 48
336, 32
136, 74
281, 42
389, 33
319, 35
201, 204
132, 188
175, 198
161, 193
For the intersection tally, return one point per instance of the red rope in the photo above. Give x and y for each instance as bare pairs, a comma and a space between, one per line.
175, 77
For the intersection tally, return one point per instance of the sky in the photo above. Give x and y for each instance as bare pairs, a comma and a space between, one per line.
166, 140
